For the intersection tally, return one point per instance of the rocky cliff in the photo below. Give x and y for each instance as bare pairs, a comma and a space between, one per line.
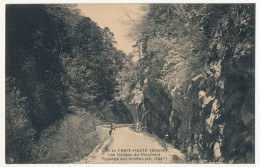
195, 81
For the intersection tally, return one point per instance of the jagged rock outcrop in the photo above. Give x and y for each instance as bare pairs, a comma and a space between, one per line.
207, 111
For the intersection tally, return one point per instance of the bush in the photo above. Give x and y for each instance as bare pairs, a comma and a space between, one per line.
19, 131
68, 140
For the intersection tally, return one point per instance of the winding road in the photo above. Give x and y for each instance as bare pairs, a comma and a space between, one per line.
128, 146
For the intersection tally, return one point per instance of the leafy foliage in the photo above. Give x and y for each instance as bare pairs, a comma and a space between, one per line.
34, 42
19, 131
62, 63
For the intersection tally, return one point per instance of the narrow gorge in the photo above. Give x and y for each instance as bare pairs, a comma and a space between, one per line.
77, 87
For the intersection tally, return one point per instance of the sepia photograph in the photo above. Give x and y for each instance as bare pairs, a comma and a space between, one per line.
130, 83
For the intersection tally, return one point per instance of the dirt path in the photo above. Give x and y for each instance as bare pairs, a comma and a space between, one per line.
127, 146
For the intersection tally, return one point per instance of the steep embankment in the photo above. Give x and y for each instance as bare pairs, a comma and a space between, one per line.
58, 63
195, 83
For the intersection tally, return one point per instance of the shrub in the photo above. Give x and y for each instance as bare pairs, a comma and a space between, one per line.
68, 140
19, 131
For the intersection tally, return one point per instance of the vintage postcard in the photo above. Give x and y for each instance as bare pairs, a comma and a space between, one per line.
137, 83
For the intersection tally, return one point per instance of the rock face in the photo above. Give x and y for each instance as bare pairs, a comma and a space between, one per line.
209, 116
